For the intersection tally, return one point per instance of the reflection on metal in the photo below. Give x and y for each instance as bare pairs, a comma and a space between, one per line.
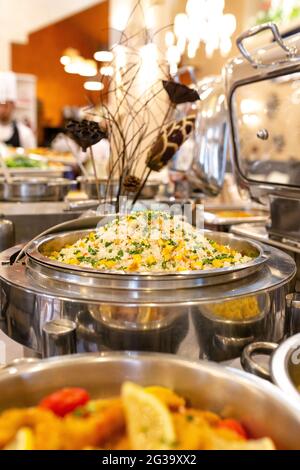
163, 315
263, 134
211, 139
59, 338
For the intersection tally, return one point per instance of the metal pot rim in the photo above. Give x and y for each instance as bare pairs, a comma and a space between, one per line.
24, 369
35, 254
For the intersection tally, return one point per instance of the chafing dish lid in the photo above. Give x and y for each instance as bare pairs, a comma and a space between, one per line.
263, 93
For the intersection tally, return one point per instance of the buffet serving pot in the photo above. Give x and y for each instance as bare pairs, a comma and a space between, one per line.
206, 385
168, 312
110, 189
284, 364
34, 189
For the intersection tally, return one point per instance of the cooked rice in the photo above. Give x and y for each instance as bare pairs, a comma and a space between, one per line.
148, 242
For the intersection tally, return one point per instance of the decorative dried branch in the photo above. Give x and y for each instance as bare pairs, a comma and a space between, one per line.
136, 114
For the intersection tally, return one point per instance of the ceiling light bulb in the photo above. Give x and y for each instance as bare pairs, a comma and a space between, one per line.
107, 71
93, 86
181, 25
65, 60
73, 67
104, 56
228, 24
169, 39
173, 55
88, 68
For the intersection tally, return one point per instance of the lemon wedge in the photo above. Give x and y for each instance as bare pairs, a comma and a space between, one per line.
24, 440
149, 422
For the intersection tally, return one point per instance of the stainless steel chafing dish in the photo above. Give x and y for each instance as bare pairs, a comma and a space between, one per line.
34, 189
165, 312
89, 186
263, 92
206, 385
262, 89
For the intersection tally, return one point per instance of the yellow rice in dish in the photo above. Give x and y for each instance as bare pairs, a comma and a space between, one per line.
148, 242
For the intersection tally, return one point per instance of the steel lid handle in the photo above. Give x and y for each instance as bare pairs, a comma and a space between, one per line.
251, 365
290, 51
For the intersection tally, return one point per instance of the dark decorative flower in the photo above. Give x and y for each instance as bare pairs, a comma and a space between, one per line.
179, 93
169, 142
132, 183
85, 133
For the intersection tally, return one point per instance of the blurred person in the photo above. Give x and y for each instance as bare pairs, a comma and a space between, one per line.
12, 132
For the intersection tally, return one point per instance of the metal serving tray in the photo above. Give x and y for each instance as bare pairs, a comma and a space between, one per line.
39, 261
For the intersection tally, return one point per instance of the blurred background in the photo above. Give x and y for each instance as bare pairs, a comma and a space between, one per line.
57, 48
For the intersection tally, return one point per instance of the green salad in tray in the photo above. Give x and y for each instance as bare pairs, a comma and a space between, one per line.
23, 161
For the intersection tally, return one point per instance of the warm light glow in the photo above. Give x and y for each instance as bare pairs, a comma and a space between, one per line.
228, 25
225, 47
93, 86
181, 25
149, 70
170, 39
249, 106
173, 55
192, 51
74, 66
65, 60
107, 71
120, 16
88, 68
104, 56
251, 120
120, 56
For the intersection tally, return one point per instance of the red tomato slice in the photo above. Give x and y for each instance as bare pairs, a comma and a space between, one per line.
235, 426
65, 401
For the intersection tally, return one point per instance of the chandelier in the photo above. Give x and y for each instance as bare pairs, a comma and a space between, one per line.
203, 23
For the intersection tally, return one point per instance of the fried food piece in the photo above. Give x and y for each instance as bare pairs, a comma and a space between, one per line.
167, 396
46, 427
94, 430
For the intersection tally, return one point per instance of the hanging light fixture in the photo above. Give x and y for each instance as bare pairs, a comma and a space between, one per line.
203, 23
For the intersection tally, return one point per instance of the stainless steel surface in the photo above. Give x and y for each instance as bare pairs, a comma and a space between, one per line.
215, 221
151, 190
284, 221
211, 139
293, 313
291, 52
7, 233
59, 338
34, 189
284, 365
38, 260
88, 186
32, 218
36, 172
259, 232
206, 385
